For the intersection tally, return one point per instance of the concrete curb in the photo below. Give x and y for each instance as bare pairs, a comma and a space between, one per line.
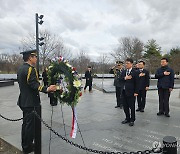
4, 83
113, 91
7, 148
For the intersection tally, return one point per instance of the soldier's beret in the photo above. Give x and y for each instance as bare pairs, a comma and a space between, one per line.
31, 52
119, 62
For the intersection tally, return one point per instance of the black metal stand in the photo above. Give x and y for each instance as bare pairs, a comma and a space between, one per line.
53, 100
37, 132
169, 145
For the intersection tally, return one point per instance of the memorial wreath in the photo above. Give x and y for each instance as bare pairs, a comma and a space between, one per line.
67, 80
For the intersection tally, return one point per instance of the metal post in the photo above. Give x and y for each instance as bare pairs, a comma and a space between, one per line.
37, 42
37, 127
37, 131
169, 145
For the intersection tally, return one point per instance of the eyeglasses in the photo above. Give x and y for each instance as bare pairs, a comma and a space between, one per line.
34, 56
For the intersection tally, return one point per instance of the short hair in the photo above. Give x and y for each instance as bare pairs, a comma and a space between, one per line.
141, 61
164, 58
129, 60
26, 57
89, 66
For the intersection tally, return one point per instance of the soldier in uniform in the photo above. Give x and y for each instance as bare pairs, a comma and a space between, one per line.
116, 70
29, 98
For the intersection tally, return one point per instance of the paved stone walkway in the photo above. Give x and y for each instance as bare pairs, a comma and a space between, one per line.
99, 122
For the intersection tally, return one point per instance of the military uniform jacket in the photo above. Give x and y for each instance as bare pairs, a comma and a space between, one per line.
117, 75
29, 86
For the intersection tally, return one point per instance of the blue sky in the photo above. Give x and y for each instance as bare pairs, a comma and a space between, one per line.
91, 25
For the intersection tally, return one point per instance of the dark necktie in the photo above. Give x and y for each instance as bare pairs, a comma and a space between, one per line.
127, 72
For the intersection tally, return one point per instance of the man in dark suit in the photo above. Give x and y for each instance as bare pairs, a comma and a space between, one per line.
29, 99
165, 76
116, 70
143, 86
130, 91
45, 77
88, 76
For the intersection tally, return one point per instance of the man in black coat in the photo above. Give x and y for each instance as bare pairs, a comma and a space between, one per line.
143, 86
88, 76
165, 76
45, 77
117, 70
130, 91
29, 99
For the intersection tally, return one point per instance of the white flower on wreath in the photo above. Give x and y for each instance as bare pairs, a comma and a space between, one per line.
50, 66
68, 65
77, 83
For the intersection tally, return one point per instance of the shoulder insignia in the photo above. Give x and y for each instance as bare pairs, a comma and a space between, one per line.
29, 73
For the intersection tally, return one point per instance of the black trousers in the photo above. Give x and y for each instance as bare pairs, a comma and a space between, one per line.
30, 123
119, 96
141, 99
164, 95
27, 132
90, 87
129, 106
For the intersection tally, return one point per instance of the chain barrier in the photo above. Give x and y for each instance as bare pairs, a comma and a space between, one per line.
10, 119
15, 120
154, 150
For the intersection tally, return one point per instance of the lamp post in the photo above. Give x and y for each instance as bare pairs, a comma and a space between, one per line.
38, 21
37, 123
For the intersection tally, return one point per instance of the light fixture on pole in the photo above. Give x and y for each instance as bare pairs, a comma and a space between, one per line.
37, 37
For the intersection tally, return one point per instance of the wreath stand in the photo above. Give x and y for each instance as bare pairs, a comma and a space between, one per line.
64, 127
67, 92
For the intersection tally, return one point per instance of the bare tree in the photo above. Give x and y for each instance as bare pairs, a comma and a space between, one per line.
103, 61
128, 47
81, 61
10, 62
53, 46
61, 50
138, 47
16, 61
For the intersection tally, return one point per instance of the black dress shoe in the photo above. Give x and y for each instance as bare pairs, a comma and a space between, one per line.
160, 113
131, 124
121, 106
125, 122
29, 150
138, 109
142, 110
116, 106
167, 115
